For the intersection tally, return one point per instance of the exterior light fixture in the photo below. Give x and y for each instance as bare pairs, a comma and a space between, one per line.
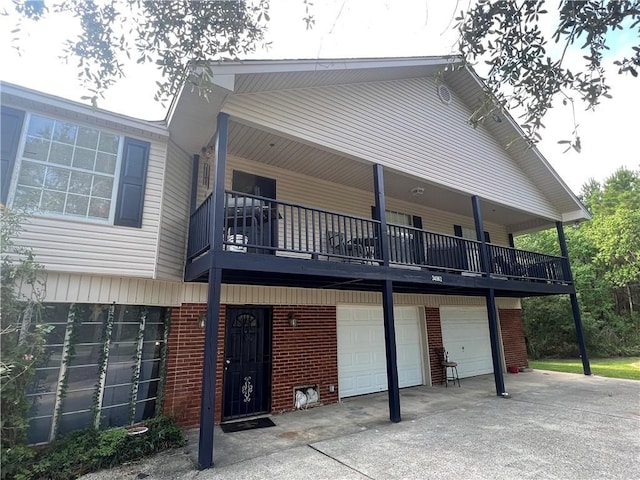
202, 319
293, 321
417, 191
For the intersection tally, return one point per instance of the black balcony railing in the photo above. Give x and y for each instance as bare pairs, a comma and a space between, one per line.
255, 224
514, 263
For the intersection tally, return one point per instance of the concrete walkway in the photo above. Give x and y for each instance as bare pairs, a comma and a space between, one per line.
555, 425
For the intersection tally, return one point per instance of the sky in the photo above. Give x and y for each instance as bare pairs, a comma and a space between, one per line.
346, 29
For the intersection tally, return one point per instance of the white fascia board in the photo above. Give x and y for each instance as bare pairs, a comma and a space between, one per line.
224, 81
156, 128
576, 216
313, 65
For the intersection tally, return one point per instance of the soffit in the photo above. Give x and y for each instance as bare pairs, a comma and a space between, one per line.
269, 148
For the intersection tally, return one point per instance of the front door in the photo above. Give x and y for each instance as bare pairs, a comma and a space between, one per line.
247, 362
265, 231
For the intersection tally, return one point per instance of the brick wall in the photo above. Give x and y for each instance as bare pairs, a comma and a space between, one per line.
512, 329
183, 387
304, 355
301, 355
434, 337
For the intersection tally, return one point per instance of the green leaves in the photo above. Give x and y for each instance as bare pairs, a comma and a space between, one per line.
22, 336
605, 260
172, 35
523, 74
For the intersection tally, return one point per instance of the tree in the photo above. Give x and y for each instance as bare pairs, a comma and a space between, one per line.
605, 259
22, 336
615, 230
171, 34
527, 73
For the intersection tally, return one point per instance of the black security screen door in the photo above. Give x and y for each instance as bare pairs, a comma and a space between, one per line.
247, 368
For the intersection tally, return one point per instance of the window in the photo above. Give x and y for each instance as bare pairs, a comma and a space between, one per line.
399, 218
109, 387
67, 169
61, 168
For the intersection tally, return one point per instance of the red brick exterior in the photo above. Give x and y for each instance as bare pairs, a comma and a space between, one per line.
304, 355
434, 337
183, 387
512, 329
301, 355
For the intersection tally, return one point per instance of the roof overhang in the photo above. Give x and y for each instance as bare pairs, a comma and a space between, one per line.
192, 115
33, 100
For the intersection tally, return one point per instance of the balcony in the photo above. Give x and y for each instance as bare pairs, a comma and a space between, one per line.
282, 230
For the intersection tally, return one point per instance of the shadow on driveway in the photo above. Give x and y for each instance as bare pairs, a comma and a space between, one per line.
555, 425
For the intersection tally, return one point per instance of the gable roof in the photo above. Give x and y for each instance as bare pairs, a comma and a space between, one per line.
192, 119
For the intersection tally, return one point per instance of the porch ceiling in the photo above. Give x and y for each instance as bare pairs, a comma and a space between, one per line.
274, 150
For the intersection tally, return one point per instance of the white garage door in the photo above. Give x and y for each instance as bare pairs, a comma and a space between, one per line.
465, 335
362, 366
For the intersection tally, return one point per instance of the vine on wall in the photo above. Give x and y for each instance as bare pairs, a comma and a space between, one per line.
135, 377
22, 333
96, 406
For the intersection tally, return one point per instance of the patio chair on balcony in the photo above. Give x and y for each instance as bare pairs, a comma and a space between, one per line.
337, 244
510, 269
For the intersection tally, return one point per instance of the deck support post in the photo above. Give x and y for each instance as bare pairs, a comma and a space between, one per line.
195, 169
492, 315
381, 209
577, 319
494, 336
390, 349
209, 368
387, 299
209, 371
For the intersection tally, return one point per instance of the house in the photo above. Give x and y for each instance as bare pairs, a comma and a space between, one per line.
321, 227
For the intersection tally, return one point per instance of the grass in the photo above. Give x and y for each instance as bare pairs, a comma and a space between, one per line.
616, 367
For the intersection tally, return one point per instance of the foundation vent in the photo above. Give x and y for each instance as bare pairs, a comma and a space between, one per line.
305, 396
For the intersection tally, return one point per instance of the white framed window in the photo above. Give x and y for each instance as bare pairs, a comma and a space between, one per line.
67, 169
469, 233
399, 218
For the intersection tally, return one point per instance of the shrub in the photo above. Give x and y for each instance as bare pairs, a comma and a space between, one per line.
85, 451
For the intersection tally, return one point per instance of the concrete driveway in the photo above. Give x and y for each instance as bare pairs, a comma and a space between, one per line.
554, 425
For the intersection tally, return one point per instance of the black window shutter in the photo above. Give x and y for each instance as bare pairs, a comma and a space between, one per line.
133, 178
417, 222
11, 127
487, 237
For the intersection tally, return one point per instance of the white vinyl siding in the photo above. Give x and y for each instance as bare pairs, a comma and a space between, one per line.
401, 125
309, 191
68, 245
174, 223
74, 288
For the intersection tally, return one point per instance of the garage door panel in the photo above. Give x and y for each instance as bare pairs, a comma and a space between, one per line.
465, 336
361, 349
